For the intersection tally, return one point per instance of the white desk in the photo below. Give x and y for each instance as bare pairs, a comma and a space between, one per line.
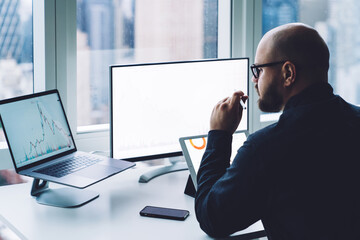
114, 215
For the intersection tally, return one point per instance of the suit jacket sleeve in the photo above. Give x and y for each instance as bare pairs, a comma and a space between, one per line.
228, 198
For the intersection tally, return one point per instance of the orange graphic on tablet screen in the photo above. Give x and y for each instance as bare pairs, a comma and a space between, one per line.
198, 147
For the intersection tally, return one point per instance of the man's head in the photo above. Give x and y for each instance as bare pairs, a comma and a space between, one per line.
293, 56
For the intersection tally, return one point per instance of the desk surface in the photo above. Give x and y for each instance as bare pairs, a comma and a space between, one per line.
114, 215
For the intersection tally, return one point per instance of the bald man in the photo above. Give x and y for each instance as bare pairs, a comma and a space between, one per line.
299, 176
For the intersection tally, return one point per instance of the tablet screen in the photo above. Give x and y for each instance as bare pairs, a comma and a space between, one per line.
194, 149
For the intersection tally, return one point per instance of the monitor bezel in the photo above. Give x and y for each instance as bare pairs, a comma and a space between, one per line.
169, 154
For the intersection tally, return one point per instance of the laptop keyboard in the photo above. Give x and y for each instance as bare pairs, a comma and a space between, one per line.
66, 167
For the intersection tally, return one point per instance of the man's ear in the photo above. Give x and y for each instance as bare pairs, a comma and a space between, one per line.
289, 73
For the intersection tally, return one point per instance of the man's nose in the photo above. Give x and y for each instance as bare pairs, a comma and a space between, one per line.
254, 80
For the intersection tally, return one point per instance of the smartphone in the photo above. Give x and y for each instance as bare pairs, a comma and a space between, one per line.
167, 213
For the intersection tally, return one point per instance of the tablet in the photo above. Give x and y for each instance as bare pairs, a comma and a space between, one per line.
193, 149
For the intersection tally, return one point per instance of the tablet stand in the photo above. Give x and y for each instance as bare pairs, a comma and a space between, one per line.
177, 164
60, 197
190, 188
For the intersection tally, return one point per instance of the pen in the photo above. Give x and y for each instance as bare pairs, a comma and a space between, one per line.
242, 104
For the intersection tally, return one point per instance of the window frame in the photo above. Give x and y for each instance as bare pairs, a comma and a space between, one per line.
247, 17
239, 31
97, 138
246, 34
43, 58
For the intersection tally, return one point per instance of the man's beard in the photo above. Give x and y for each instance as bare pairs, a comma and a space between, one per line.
271, 100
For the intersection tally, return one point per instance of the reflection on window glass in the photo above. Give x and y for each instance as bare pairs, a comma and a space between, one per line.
136, 31
336, 21
16, 48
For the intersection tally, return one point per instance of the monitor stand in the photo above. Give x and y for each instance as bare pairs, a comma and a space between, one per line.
60, 197
177, 164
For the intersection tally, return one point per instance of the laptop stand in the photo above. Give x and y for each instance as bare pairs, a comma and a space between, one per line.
60, 197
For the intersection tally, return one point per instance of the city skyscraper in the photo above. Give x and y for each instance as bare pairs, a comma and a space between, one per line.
279, 12
16, 48
343, 20
12, 36
96, 19
137, 31
210, 28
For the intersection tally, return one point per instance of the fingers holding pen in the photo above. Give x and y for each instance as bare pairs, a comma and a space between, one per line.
237, 98
223, 104
243, 101
228, 112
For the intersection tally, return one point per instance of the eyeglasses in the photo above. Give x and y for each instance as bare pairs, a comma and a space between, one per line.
255, 69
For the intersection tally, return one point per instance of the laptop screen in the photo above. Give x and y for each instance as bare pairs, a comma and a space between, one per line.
35, 127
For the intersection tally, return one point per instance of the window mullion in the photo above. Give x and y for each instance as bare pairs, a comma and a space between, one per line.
246, 33
65, 56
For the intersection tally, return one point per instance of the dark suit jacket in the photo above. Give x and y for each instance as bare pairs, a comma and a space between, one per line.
300, 176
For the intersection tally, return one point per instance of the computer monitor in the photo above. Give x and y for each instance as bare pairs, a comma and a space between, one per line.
154, 104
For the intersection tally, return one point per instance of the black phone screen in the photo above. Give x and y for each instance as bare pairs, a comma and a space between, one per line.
168, 213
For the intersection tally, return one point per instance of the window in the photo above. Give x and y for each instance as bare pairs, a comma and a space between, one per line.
16, 57
136, 31
16, 50
336, 21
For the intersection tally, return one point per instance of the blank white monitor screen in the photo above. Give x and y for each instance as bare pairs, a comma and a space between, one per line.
153, 105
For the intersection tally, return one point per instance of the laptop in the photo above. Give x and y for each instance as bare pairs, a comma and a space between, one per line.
193, 149
42, 146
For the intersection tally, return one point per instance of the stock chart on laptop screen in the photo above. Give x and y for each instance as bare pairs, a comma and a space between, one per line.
35, 128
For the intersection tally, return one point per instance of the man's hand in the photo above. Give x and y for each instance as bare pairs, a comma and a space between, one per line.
227, 114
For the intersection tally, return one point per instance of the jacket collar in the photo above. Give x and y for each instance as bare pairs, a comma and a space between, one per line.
314, 93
